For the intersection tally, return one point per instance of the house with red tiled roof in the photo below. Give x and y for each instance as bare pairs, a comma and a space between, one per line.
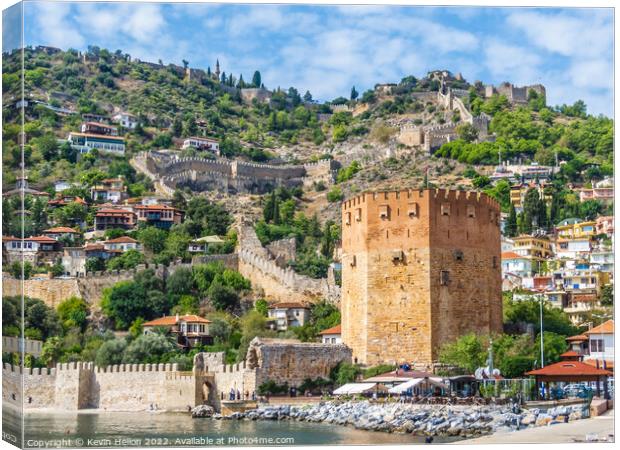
99, 128
121, 244
112, 217
283, 315
332, 335
57, 233
32, 249
515, 264
109, 190
160, 216
601, 344
190, 330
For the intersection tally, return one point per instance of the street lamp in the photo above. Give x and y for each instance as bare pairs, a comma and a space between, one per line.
542, 347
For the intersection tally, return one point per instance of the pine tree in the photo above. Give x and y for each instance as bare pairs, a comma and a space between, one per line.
256, 79
268, 208
209, 71
510, 229
276, 210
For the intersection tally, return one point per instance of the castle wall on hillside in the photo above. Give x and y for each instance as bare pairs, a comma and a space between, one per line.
202, 174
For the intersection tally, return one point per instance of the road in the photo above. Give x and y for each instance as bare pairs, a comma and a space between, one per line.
601, 426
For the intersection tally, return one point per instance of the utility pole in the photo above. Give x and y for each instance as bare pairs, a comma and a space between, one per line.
542, 347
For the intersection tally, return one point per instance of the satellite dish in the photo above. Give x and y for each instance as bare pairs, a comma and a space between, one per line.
496, 372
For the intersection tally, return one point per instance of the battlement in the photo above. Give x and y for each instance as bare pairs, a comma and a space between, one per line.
120, 368
412, 194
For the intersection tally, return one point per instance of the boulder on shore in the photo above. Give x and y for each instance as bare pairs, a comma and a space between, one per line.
203, 411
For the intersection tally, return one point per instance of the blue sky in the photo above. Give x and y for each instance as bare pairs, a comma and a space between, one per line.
328, 49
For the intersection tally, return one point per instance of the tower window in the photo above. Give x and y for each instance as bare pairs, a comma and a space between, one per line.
445, 209
471, 211
353, 261
347, 218
358, 215
413, 210
384, 211
495, 262
444, 278
458, 255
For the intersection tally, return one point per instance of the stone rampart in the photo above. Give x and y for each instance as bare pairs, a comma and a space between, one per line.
51, 291
124, 387
228, 176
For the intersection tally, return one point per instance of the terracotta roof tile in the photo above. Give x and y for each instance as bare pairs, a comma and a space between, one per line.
122, 240
288, 305
172, 320
607, 327
60, 230
578, 338
333, 330
569, 368
511, 255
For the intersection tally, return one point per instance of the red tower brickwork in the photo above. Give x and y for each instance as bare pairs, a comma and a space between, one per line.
419, 269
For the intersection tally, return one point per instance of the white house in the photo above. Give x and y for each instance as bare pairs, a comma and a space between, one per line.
332, 335
572, 248
201, 143
121, 244
84, 142
126, 120
288, 314
516, 264
601, 342
61, 185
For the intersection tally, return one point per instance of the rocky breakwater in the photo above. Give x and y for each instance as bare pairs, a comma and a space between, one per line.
424, 420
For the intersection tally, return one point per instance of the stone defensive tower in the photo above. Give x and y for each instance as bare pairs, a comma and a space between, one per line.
419, 269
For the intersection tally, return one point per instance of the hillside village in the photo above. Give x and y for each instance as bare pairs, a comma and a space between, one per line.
164, 201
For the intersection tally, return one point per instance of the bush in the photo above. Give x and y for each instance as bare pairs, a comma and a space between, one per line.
271, 387
335, 195
110, 352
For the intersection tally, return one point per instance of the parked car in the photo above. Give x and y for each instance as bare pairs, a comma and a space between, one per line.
577, 390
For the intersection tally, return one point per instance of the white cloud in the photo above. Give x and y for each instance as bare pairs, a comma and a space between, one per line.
517, 64
586, 34
55, 27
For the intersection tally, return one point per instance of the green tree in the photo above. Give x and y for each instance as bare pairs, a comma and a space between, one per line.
256, 79
467, 132
468, 352
607, 295
148, 348
51, 351
111, 352
153, 238
222, 297
510, 229
73, 312
354, 93
262, 306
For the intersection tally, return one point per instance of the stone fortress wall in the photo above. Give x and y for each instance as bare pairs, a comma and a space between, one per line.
420, 269
229, 176
263, 268
78, 385
514, 94
138, 387
433, 137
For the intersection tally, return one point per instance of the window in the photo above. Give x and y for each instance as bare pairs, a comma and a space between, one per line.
358, 215
471, 211
384, 211
353, 261
495, 262
413, 210
444, 278
597, 345
347, 218
445, 209
398, 255
458, 255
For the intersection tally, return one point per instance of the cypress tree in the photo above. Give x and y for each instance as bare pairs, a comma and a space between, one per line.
256, 79
510, 229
